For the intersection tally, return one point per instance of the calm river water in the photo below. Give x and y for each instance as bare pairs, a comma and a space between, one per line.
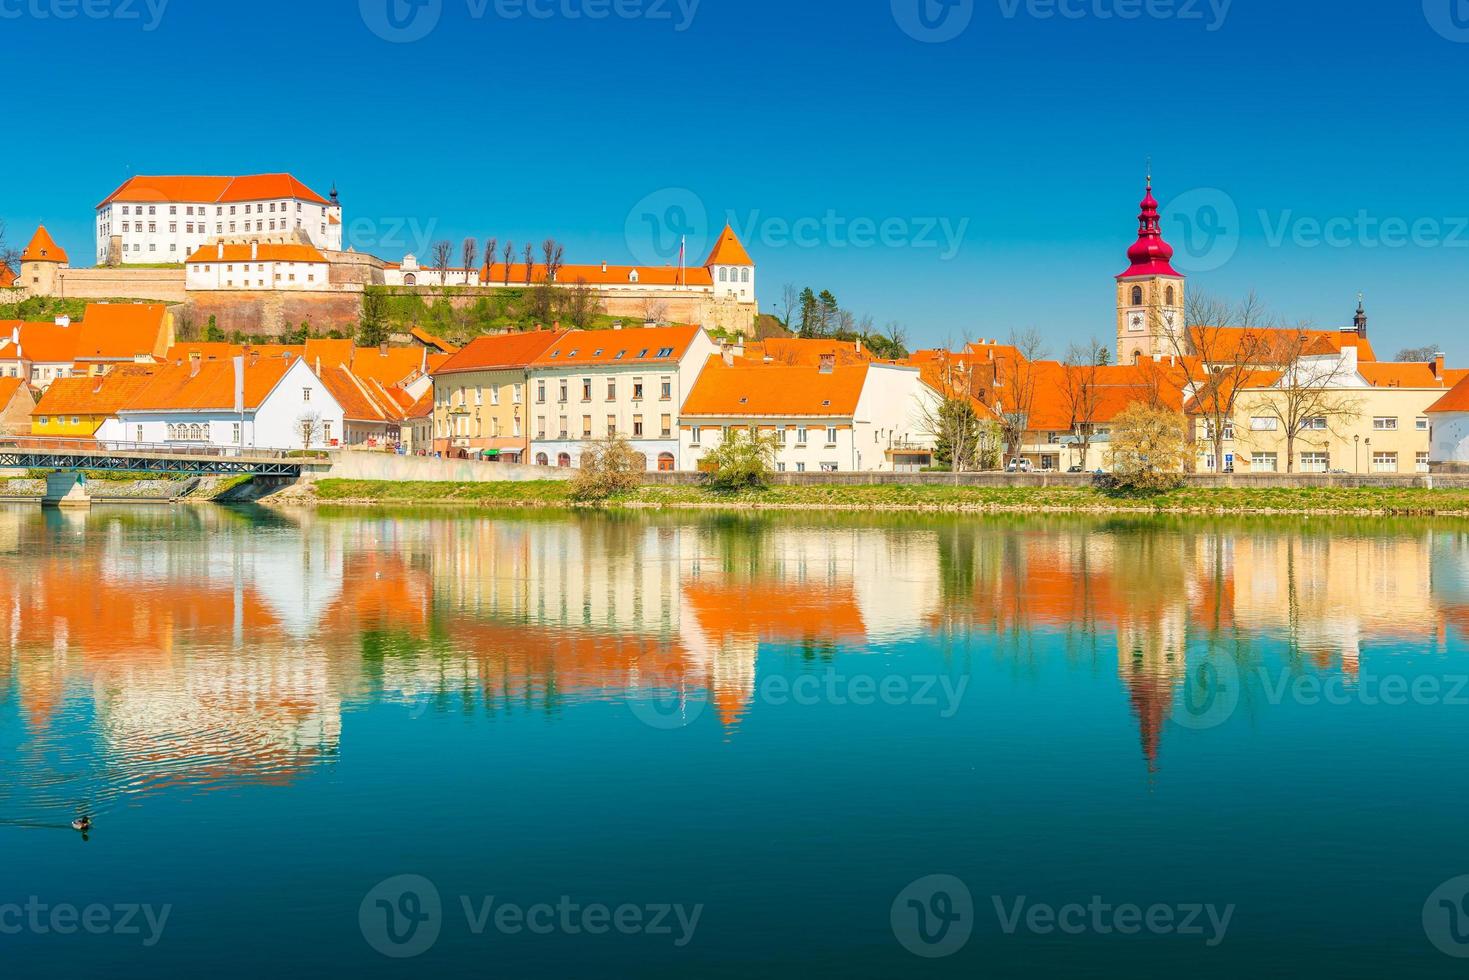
380, 744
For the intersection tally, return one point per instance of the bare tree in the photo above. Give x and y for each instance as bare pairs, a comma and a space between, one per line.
1015, 376
470, 254
582, 304
551, 254
310, 426
443, 254
1425, 353
958, 421
491, 244
9, 255
1081, 391
655, 311
1217, 351
790, 302
529, 255
1310, 394
509, 257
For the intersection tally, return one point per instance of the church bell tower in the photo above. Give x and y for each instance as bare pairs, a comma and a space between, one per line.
1150, 294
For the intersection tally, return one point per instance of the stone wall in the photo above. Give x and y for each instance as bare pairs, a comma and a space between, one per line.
162, 285
271, 313
1237, 481
349, 465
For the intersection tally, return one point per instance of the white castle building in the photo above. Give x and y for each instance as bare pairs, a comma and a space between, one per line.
166, 219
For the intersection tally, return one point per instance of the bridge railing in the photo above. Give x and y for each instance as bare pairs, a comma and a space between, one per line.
154, 450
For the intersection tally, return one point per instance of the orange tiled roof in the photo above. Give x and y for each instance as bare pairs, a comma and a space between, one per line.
1397, 374
212, 190
598, 275
500, 352
421, 409
43, 249
209, 385
728, 250
1102, 396
638, 345
393, 367
361, 401
264, 252
799, 350
40, 342
1231, 343
775, 391
429, 340
104, 395
1457, 400
122, 331
7, 276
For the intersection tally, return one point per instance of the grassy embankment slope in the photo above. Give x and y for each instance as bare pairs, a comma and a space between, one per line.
1324, 501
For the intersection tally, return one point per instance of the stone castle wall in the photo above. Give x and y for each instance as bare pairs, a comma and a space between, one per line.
163, 285
271, 313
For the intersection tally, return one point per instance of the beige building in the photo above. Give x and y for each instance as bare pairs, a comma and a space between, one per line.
1351, 417
481, 393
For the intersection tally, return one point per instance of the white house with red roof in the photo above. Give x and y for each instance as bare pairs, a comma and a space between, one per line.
256, 266
166, 219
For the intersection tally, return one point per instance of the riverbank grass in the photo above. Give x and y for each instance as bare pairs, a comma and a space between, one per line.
1390, 501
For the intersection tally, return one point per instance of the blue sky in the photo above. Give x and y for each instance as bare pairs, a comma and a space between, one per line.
967, 186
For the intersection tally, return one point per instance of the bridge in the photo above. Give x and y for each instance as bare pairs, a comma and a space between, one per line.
70, 458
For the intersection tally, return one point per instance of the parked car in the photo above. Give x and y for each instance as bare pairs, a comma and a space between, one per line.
1076, 469
1018, 466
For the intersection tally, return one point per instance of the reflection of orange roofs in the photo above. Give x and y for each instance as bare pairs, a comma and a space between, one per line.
773, 610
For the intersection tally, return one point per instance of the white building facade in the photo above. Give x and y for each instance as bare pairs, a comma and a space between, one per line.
160, 220
256, 266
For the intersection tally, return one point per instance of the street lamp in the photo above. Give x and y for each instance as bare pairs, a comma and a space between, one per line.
1356, 454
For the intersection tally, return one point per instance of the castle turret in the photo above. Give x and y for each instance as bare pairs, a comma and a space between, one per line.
731, 268
40, 263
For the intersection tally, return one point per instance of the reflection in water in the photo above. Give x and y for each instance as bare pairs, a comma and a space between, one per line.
213, 648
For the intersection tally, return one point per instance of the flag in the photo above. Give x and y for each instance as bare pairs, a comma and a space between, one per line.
683, 244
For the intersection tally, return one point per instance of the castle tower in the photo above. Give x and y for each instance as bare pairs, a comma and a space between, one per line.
1359, 322
1150, 294
40, 263
731, 268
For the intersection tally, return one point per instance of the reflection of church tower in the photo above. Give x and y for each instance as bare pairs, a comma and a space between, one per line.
1150, 302
1151, 662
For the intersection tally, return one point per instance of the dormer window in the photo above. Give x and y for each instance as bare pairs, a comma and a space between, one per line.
632, 276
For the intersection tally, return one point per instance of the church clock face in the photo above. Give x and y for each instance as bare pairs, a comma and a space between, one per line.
1136, 322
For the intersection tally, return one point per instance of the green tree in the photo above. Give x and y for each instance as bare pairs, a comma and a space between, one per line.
743, 461
372, 328
1149, 448
810, 314
212, 333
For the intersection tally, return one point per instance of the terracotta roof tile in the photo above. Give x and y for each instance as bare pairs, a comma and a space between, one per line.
598, 275
639, 345
43, 249
208, 386
122, 331
728, 250
775, 391
104, 395
264, 252
1457, 400
502, 351
212, 190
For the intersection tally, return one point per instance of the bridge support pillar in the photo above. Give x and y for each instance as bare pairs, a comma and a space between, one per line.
66, 489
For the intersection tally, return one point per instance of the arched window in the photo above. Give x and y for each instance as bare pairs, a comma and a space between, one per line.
542, 459
410, 280
1137, 357
563, 460
745, 275
170, 432
724, 275
1137, 296
195, 433
665, 462
1170, 295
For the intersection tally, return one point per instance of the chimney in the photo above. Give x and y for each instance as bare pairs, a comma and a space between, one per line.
555, 324
604, 267
828, 363
193, 364
220, 249
726, 352
63, 321
617, 325
859, 345
1438, 364
254, 356
254, 250
382, 349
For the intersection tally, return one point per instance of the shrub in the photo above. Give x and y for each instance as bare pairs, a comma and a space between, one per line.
608, 466
1149, 449
741, 462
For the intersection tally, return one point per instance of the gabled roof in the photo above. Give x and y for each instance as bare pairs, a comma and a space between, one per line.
360, 401
638, 345
43, 249
1262, 344
208, 386
1414, 374
122, 331
501, 352
7, 276
103, 395
728, 250
803, 351
264, 252
9, 387
429, 340
43, 342
777, 391
391, 367
212, 190
1457, 400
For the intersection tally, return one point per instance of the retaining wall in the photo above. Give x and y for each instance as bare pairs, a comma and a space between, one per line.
349, 465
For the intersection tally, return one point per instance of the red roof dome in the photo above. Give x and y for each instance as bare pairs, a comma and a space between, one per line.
1150, 255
